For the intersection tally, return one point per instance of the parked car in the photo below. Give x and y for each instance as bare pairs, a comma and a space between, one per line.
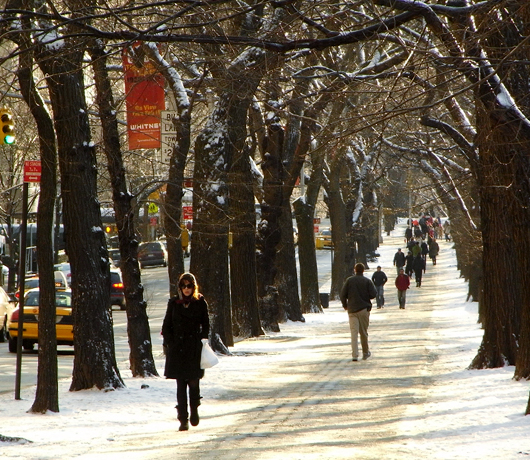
64, 320
152, 253
117, 295
323, 239
6, 306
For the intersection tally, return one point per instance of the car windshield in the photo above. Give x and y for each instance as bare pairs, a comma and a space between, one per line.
62, 299
148, 247
31, 283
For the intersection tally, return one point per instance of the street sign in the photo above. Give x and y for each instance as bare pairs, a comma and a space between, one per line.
169, 134
187, 212
32, 171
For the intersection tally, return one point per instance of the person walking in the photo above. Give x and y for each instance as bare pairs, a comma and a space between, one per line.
355, 296
408, 264
402, 284
408, 234
416, 249
447, 230
379, 279
399, 260
185, 326
434, 249
418, 265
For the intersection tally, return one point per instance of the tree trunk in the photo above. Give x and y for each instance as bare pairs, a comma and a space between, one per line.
310, 294
499, 208
245, 307
337, 212
269, 233
287, 277
209, 251
138, 331
47, 393
95, 360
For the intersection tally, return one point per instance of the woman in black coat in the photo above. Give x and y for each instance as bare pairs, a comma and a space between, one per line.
185, 325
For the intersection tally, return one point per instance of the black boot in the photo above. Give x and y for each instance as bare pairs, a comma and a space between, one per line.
194, 413
183, 418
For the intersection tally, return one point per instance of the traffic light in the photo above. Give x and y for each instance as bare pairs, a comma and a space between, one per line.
7, 127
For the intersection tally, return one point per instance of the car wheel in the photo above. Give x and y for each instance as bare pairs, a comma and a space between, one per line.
28, 346
122, 306
164, 264
12, 345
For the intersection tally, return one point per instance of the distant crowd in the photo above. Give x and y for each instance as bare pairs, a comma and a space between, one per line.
421, 238
358, 291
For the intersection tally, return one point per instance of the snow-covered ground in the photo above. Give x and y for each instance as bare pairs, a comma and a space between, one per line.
453, 413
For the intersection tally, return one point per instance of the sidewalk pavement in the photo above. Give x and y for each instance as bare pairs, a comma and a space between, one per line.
312, 401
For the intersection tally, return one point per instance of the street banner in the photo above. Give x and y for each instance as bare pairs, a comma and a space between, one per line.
144, 97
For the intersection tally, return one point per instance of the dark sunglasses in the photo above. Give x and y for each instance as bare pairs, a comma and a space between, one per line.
187, 286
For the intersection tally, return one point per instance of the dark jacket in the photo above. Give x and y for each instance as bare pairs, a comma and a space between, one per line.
182, 329
434, 249
409, 259
356, 293
399, 259
379, 278
418, 265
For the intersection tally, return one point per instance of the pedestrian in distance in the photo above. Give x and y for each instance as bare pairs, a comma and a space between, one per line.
434, 249
408, 234
424, 249
379, 279
418, 265
408, 264
416, 249
399, 260
355, 296
185, 326
402, 284
447, 230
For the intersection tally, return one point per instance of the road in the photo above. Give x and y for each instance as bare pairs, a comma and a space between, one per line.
156, 285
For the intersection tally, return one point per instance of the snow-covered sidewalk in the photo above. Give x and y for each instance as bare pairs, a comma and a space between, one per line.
296, 394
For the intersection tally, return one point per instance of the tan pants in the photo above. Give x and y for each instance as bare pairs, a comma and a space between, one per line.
359, 322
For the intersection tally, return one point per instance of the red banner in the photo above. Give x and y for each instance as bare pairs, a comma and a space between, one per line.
144, 89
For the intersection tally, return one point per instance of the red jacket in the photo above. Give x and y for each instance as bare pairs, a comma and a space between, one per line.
402, 282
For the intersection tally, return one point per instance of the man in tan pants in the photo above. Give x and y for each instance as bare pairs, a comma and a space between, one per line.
355, 296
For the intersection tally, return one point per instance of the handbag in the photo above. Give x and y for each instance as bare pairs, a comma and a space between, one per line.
208, 357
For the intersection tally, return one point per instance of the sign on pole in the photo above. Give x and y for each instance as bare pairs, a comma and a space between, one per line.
32, 171
169, 134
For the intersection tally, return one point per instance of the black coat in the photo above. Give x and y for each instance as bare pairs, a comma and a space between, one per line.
182, 329
418, 265
399, 259
409, 259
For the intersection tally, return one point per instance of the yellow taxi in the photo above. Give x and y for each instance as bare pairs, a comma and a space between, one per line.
323, 239
30, 330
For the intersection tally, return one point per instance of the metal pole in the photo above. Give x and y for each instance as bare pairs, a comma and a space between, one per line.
21, 283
